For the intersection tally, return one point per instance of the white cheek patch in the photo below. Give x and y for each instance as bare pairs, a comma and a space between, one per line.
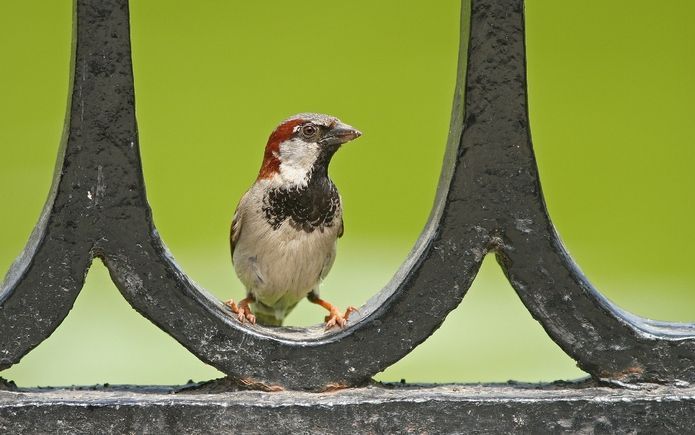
297, 158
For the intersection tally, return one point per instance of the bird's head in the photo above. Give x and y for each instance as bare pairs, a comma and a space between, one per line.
304, 145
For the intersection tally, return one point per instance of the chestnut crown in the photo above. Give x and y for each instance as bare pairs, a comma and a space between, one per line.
303, 144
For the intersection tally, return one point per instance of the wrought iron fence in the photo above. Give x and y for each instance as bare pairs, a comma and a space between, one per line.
489, 200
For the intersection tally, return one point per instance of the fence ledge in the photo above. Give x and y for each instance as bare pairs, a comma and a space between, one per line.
389, 408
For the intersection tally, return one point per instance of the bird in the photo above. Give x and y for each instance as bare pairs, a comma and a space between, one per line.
286, 226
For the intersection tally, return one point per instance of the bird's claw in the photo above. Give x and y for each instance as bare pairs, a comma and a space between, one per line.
338, 319
246, 315
242, 311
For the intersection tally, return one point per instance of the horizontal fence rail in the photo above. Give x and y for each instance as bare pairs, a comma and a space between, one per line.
489, 199
414, 409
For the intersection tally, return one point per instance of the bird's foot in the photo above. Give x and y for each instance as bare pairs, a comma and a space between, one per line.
242, 311
338, 319
335, 318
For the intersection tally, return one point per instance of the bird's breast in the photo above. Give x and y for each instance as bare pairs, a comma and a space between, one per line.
308, 208
287, 244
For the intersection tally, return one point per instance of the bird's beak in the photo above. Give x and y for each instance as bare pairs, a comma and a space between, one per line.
340, 133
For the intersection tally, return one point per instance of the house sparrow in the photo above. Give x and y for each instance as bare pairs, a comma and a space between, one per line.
286, 226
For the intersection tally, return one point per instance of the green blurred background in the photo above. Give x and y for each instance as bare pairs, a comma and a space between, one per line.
611, 99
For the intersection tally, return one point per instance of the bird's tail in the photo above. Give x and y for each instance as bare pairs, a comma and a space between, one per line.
267, 315
271, 316
267, 319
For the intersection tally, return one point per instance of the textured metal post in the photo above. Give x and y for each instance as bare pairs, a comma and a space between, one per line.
99, 147
504, 191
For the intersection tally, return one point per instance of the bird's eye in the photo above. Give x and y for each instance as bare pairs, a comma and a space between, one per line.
309, 131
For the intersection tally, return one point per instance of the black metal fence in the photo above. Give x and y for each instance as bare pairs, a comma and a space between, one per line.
489, 200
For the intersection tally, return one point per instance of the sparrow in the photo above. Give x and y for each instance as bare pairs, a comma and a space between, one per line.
287, 224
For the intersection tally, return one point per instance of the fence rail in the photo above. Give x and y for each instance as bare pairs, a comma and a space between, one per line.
378, 409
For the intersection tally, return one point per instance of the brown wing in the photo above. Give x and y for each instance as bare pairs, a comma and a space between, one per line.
237, 224
341, 229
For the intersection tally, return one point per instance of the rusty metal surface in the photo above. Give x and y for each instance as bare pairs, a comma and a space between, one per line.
489, 200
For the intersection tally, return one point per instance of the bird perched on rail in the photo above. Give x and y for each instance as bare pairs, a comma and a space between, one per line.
286, 226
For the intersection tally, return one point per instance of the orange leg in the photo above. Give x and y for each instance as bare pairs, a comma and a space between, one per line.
243, 310
335, 318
